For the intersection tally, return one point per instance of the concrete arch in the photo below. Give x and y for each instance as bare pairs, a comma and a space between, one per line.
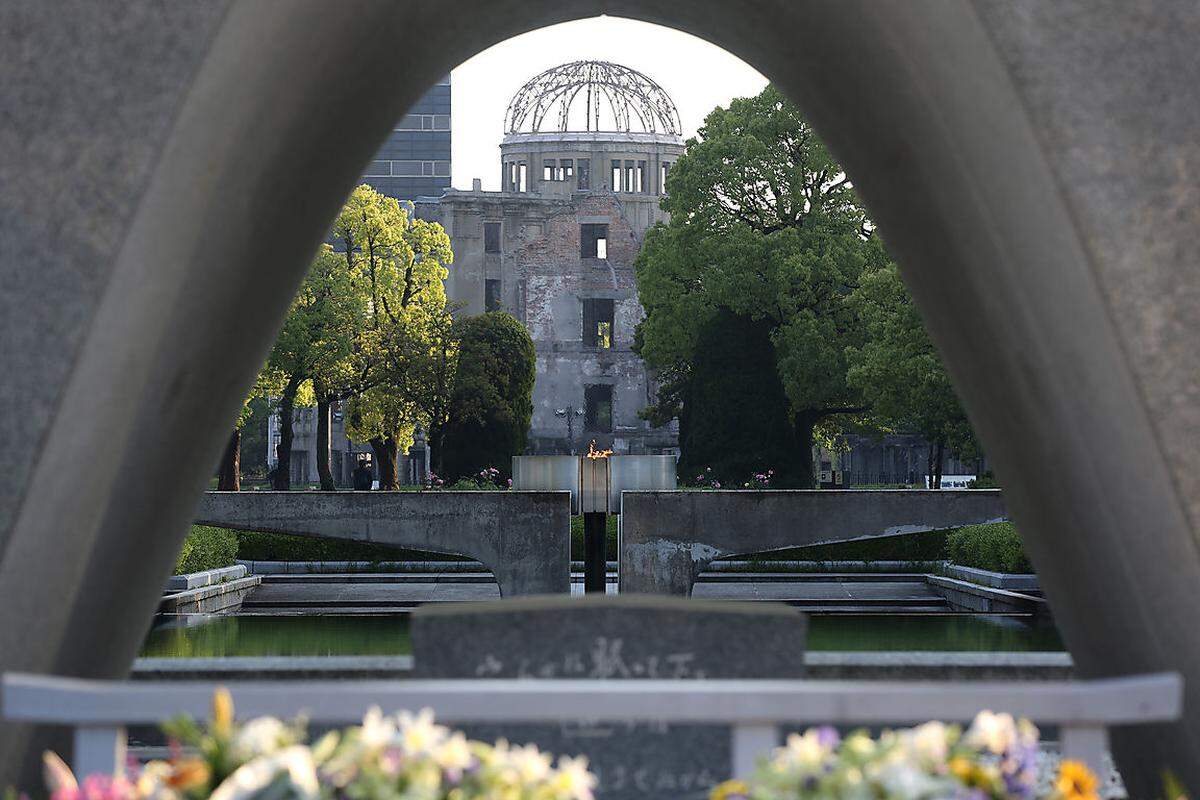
1032, 166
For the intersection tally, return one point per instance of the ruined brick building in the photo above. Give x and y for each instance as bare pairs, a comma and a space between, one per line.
584, 159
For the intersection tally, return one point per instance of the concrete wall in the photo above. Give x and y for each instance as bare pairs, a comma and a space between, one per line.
1033, 167
524, 538
668, 538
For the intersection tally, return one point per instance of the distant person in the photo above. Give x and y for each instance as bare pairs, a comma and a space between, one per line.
363, 475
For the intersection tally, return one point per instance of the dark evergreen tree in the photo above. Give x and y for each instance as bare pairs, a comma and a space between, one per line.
735, 414
492, 401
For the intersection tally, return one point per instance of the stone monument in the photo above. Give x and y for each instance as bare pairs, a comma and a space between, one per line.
616, 638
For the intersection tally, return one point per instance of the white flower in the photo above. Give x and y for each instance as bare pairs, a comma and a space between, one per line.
261, 737
418, 734
905, 780
926, 743
806, 751
531, 765
377, 731
995, 733
454, 753
250, 779
573, 781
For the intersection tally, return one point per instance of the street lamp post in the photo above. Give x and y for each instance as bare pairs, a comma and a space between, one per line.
570, 412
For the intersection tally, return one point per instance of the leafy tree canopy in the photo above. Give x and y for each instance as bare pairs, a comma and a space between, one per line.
764, 223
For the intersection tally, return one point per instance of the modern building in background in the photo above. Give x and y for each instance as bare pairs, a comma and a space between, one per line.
584, 159
413, 162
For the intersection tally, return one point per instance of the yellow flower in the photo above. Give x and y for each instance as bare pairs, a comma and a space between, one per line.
1076, 782
222, 720
187, 774
972, 775
729, 790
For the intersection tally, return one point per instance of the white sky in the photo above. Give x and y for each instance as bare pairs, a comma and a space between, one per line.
697, 75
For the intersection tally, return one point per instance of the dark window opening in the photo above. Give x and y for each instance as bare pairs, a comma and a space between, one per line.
548, 170
598, 323
640, 186
662, 176
629, 177
491, 294
616, 175
566, 168
593, 240
597, 415
491, 237
585, 173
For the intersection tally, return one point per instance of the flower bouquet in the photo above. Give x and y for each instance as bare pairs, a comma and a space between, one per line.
402, 757
995, 759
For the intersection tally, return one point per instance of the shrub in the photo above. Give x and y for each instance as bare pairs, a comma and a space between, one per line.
206, 548
995, 547
922, 546
610, 537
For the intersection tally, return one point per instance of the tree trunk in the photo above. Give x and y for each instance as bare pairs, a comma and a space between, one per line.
938, 466
929, 468
323, 435
281, 477
804, 422
387, 467
229, 477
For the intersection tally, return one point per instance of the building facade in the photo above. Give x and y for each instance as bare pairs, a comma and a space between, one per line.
556, 246
413, 162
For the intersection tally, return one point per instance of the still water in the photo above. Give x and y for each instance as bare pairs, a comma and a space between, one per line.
248, 635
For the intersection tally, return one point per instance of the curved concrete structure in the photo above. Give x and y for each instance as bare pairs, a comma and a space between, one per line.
524, 538
669, 538
1033, 166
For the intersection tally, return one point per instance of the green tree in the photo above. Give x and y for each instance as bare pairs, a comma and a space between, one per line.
398, 264
764, 223
492, 401
734, 377
313, 339
900, 374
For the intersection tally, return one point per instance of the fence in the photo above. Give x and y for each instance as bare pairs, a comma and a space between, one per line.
755, 710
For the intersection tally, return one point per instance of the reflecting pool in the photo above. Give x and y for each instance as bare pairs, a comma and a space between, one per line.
376, 635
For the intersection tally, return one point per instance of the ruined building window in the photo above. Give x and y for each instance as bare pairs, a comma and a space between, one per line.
662, 176
548, 170
629, 177
566, 168
516, 176
593, 240
491, 237
597, 415
616, 175
585, 173
491, 294
640, 185
597, 323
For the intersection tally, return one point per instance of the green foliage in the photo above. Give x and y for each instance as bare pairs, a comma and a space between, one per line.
398, 263
492, 401
995, 547
206, 548
764, 223
734, 419
897, 369
610, 537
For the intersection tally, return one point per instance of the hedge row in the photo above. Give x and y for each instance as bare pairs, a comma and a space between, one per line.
995, 547
206, 548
